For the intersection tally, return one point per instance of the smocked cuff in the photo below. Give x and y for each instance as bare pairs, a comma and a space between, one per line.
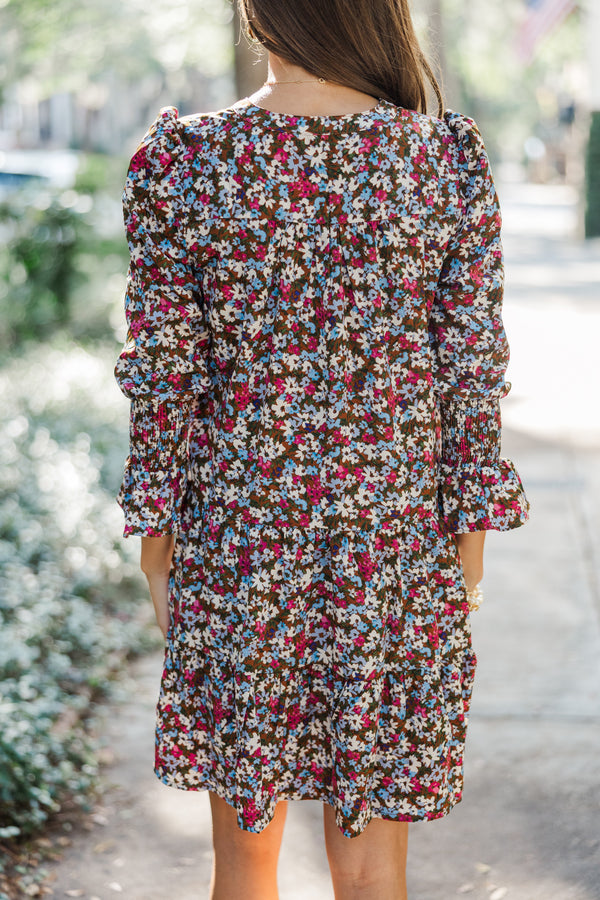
471, 433
155, 477
482, 498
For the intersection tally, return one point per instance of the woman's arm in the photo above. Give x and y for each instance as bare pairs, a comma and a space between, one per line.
157, 553
163, 366
478, 489
470, 550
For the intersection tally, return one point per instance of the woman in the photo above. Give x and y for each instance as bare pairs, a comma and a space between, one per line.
315, 362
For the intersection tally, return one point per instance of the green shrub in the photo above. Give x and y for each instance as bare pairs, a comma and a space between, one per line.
37, 269
69, 585
62, 257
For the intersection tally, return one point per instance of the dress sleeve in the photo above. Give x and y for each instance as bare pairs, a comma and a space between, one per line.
162, 368
478, 490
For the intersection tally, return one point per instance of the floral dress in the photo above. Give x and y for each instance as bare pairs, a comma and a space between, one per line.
315, 361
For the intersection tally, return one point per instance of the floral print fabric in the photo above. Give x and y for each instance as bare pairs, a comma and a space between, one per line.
315, 362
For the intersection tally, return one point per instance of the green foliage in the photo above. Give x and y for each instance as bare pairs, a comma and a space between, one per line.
67, 579
101, 174
37, 268
62, 257
68, 582
592, 186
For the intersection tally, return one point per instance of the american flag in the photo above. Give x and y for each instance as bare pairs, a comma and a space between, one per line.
542, 16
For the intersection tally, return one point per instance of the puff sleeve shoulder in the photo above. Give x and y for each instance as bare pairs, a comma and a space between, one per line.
162, 368
479, 490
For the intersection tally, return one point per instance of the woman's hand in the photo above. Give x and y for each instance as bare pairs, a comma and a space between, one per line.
155, 563
470, 550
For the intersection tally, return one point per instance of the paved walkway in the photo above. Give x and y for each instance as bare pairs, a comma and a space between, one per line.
528, 826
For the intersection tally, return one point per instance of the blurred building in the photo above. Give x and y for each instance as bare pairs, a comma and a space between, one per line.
102, 117
62, 120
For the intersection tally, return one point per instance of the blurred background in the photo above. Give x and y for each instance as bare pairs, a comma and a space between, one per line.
80, 82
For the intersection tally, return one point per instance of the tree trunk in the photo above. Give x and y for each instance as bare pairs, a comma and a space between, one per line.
250, 61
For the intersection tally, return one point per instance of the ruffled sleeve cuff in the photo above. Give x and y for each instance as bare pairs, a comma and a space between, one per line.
478, 490
482, 498
155, 478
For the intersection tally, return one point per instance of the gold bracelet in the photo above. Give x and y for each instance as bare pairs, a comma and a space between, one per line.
475, 598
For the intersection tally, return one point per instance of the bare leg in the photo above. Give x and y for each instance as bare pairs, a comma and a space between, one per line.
370, 866
245, 864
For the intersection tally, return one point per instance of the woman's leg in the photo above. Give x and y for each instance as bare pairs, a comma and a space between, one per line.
370, 866
245, 864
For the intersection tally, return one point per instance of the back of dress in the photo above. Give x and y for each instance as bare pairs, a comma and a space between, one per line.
326, 285
315, 360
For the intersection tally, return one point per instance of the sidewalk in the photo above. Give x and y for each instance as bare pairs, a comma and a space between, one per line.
528, 826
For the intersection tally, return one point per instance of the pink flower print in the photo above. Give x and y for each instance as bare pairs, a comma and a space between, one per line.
264, 465
218, 712
250, 813
294, 716
366, 564
316, 770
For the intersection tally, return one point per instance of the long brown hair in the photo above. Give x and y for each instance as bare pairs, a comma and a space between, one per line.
368, 45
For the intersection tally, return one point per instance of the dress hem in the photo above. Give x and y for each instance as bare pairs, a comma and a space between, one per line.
324, 797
